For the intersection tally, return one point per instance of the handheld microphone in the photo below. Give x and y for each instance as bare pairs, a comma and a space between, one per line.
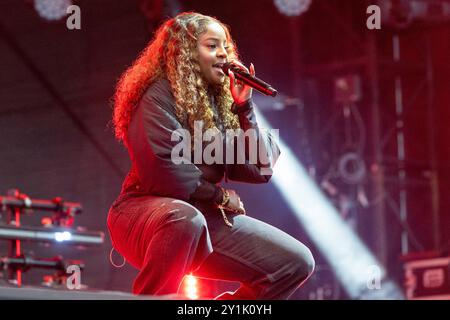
248, 79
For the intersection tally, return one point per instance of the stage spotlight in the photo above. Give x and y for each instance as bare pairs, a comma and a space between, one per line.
52, 10
352, 262
191, 287
292, 7
63, 236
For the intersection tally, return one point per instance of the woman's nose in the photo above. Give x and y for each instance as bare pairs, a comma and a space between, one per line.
222, 53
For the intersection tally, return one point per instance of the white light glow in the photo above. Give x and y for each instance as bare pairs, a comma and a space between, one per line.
190, 289
52, 10
63, 236
350, 259
292, 7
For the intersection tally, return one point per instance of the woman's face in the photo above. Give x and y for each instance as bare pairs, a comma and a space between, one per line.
212, 52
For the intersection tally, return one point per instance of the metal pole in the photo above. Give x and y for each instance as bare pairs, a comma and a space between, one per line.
433, 159
377, 153
400, 147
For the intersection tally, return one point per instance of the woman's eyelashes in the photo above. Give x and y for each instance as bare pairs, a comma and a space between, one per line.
214, 46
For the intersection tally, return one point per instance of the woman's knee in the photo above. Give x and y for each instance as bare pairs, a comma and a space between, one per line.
310, 262
304, 264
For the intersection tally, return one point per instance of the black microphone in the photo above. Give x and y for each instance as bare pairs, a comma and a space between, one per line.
247, 78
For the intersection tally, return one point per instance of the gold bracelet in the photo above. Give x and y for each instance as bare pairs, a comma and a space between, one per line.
227, 222
225, 200
225, 197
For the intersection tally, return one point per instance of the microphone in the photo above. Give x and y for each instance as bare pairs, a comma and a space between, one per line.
248, 79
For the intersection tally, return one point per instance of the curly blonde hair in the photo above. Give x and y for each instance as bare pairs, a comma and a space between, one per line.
173, 54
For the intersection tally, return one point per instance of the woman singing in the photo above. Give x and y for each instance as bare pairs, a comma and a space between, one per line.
172, 219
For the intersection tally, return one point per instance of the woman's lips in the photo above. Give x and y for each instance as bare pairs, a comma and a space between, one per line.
219, 69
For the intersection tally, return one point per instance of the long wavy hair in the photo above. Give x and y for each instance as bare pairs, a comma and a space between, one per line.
173, 54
